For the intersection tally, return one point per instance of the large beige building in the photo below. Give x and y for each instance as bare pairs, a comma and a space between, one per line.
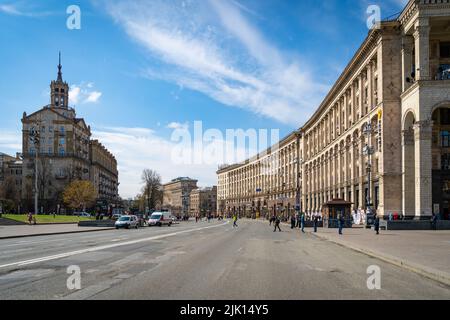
65, 152
176, 195
203, 202
381, 137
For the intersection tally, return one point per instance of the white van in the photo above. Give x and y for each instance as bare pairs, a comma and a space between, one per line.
160, 218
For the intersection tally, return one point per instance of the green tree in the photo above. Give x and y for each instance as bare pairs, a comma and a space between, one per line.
79, 194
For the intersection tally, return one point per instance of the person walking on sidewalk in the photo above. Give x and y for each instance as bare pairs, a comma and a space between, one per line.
434, 219
316, 222
272, 219
292, 221
30, 218
277, 224
340, 222
377, 224
302, 222
235, 221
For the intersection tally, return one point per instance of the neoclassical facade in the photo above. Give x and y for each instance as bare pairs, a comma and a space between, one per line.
380, 137
263, 185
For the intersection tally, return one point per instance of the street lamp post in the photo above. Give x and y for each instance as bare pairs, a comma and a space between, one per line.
35, 138
368, 150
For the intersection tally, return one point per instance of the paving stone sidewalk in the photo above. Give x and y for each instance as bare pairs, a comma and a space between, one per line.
424, 252
7, 232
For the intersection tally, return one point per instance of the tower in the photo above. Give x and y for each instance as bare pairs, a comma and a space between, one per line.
59, 90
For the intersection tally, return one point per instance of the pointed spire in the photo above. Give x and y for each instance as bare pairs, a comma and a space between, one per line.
59, 68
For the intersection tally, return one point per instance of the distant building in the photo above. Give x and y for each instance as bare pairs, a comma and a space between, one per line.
11, 180
203, 202
176, 195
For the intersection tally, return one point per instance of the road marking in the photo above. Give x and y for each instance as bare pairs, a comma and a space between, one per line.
99, 248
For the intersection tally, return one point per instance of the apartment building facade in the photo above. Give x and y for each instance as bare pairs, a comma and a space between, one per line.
380, 138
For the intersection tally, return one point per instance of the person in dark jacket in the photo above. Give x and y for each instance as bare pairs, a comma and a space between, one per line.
316, 222
292, 221
272, 220
434, 219
341, 222
377, 224
277, 224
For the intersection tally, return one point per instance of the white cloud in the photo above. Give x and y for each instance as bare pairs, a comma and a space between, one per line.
137, 149
10, 141
93, 96
20, 8
212, 48
178, 125
10, 9
83, 93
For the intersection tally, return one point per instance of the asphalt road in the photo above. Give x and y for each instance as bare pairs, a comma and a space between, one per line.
200, 261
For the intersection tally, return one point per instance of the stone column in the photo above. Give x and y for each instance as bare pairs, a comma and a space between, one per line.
407, 62
358, 108
423, 163
370, 88
422, 48
408, 169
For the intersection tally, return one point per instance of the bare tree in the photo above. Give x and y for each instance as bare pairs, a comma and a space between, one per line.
152, 188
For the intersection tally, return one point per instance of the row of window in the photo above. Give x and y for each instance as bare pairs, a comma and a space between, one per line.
61, 151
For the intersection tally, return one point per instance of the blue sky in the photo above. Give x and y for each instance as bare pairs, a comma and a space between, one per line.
140, 69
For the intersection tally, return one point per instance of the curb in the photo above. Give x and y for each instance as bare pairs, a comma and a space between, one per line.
429, 273
53, 233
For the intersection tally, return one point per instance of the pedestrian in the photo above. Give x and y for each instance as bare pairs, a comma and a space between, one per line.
316, 222
30, 218
434, 219
292, 221
277, 224
377, 224
340, 222
272, 219
390, 216
235, 221
302, 222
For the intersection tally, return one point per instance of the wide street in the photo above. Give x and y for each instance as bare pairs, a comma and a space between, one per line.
200, 261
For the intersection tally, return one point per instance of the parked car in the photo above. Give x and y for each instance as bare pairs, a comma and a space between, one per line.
160, 218
82, 214
127, 222
116, 216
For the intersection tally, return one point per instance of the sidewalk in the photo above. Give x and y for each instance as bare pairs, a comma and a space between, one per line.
423, 252
7, 232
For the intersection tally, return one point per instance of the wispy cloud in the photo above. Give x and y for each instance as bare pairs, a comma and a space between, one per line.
139, 148
20, 8
178, 125
83, 93
211, 47
10, 141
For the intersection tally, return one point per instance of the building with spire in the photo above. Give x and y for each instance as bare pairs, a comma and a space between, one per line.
60, 143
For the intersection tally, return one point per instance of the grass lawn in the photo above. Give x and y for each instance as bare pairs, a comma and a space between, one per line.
41, 218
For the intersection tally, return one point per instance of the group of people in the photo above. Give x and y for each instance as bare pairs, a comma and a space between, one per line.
297, 221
